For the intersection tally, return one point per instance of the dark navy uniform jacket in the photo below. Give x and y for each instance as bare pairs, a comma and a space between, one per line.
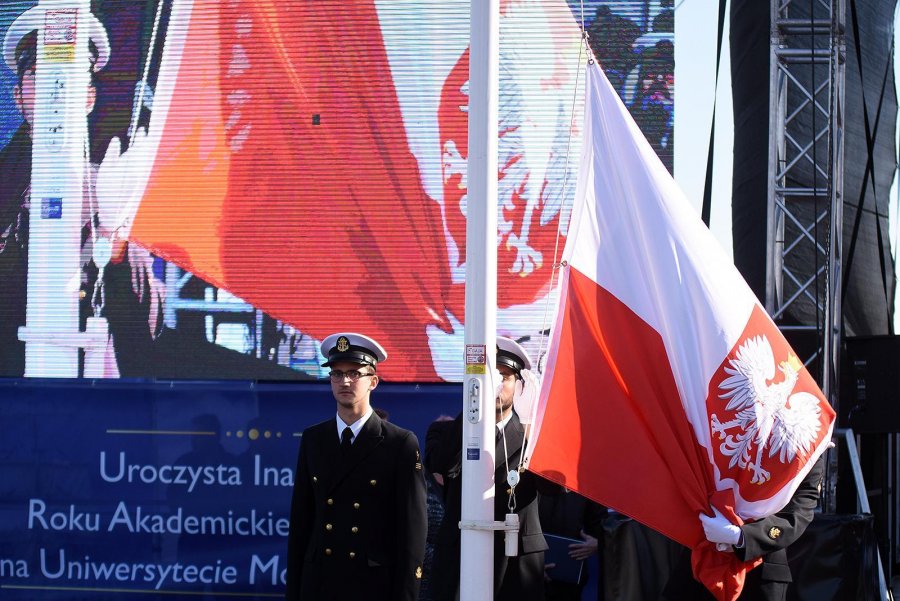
767, 538
518, 578
358, 522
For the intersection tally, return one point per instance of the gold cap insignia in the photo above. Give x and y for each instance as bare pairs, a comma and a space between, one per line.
774, 532
419, 572
343, 344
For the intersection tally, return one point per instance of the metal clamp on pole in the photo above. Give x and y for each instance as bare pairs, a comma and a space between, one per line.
96, 335
510, 527
473, 411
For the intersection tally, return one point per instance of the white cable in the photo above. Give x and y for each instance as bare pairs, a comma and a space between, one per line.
511, 504
98, 294
527, 442
137, 106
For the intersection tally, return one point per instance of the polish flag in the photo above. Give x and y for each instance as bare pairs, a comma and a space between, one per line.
311, 159
667, 389
281, 172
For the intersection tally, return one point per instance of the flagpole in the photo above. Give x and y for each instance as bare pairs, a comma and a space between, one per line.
479, 421
59, 139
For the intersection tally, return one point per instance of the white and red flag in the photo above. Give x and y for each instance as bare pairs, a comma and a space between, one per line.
311, 159
278, 143
667, 389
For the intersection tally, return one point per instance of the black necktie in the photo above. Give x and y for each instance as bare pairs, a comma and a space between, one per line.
346, 439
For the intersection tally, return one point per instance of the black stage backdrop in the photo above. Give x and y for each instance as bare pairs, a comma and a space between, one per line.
869, 159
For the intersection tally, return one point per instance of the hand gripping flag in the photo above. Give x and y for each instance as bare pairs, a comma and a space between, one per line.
667, 387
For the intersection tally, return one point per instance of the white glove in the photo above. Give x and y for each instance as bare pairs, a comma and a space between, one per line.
121, 181
526, 395
720, 531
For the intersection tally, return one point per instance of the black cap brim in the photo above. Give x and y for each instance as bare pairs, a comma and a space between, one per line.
509, 360
351, 356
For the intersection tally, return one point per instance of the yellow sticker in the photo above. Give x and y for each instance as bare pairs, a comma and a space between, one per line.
476, 369
62, 53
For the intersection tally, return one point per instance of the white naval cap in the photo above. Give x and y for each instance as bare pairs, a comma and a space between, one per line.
352, 347
511, 354
33, 19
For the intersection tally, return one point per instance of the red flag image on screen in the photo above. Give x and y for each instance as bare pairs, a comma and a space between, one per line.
282, 173
667, 388
284, 170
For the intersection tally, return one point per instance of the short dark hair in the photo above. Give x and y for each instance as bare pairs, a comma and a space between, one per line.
26, 55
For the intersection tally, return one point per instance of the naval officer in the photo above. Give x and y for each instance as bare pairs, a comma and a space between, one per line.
358, 518
519, 578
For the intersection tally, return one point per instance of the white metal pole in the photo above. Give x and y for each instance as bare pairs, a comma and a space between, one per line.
479, 421
59, 138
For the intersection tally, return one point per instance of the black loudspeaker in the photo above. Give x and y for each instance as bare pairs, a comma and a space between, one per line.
870, 384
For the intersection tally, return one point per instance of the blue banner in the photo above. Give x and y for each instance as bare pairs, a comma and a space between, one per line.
119, 490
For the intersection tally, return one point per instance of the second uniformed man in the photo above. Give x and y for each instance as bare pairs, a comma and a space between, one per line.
519, 578
358, 518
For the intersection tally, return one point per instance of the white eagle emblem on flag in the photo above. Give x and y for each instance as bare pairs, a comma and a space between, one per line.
769, 418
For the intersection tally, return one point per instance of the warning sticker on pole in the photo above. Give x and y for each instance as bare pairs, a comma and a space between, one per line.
476, 359
60, 28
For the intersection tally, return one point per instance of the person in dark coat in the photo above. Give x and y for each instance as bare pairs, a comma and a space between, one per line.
131, 295
574, 516
767, 538
358, 520
518, 578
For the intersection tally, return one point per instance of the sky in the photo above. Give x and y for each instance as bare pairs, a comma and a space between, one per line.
695, 92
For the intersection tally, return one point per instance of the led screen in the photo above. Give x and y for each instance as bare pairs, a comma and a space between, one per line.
256, 176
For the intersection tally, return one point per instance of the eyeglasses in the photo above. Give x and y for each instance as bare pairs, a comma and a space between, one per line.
354, 375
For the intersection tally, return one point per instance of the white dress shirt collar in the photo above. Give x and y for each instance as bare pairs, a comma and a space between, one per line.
502, 423
355, 427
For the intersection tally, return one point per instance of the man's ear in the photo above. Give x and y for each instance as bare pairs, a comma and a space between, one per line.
373, 382
91, 99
